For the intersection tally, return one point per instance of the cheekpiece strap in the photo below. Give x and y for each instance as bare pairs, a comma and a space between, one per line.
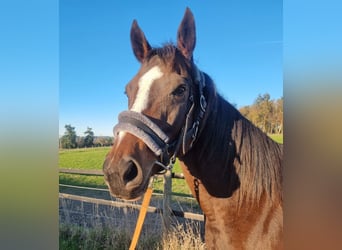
191, 130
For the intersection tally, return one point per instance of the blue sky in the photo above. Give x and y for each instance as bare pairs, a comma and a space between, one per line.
239, 44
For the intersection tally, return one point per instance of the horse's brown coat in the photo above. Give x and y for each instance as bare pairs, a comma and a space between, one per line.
233, 169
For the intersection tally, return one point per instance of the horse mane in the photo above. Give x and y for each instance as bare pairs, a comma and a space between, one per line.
165, 52
170, 55
250, 161
259, 162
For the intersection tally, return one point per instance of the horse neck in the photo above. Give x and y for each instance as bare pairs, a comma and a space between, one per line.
211, 158
231, 155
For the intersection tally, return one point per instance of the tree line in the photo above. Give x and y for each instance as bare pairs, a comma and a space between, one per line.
265, 113
71, 140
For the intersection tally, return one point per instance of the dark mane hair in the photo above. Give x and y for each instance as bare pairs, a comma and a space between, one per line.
170, 55
259, 162
252, 161
165, 52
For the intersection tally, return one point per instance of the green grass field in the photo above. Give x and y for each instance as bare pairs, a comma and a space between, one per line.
277, 137
93, 158
85, 158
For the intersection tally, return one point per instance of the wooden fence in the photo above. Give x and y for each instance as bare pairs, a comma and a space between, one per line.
166, 210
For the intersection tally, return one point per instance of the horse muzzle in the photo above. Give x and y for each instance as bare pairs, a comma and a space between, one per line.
125, 178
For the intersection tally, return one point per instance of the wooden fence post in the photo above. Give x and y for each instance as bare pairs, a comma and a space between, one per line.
167, 201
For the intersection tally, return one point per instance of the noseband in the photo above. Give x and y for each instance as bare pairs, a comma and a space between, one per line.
155, 139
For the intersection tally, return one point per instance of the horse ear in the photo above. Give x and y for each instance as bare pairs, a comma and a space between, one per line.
139, 43
186, 37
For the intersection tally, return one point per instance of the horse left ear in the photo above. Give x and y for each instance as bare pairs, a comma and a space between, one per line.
140, 45
186, 37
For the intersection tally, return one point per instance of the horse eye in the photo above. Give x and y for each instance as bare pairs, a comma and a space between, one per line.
179, 91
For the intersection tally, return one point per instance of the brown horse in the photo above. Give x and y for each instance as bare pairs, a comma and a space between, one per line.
232, 168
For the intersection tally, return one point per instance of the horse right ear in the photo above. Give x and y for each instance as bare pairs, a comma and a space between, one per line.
139, 43
186, 36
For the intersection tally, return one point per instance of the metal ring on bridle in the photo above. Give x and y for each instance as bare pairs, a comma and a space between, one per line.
203, 103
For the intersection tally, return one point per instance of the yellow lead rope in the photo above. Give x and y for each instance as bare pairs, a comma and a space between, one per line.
142, 215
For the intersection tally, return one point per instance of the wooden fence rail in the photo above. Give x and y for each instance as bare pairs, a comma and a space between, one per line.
119, 204
81, 171
100, 173
166, 211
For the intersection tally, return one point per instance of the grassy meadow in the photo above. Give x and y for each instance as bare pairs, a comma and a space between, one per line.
93, 158
277, 137
83, 158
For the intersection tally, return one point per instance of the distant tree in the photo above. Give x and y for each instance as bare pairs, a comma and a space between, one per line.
245, 111
279, 114
102, 141
265, 113
109, 141
89, 138
264, 108
99, 141
68, 140
80, 141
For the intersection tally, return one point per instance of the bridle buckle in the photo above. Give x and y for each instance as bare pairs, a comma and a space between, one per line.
195, 128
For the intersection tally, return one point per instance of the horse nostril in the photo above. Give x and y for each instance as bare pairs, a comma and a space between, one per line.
131, 172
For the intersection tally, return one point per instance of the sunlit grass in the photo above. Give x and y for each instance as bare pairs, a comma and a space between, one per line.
85, 158
93, 158
277, 137
106, 237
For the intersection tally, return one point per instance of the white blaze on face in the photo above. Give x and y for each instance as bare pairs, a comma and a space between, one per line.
145, 84
120, 135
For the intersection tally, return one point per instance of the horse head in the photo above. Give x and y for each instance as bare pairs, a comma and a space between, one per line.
161, 121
